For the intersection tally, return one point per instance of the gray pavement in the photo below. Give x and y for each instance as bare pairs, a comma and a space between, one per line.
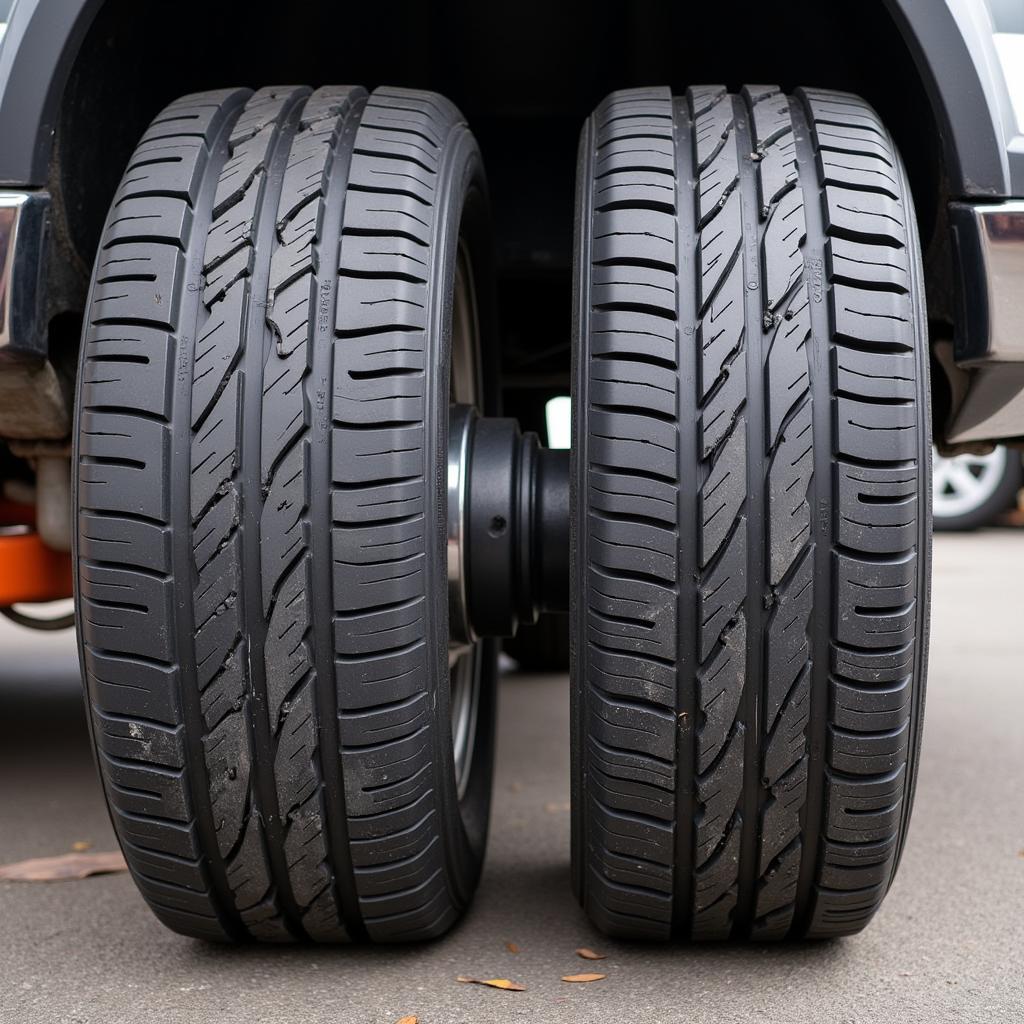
948, 944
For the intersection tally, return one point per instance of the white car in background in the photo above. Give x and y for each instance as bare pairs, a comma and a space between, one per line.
969, 491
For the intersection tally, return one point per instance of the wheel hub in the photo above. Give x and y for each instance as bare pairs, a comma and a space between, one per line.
508, 528
965, 482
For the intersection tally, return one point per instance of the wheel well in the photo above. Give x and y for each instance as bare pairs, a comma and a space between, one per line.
525, 81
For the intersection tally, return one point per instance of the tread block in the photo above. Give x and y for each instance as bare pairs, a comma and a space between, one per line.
135, 689
127, 610
165, 166
861, 263
142, 219
138, 282
123, 460
128, 367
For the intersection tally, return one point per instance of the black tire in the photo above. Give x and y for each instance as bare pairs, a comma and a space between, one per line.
752, 507
261, 452
1001, 497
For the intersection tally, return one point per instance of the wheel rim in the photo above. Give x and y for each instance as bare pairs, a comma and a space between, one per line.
964, 483
464, 651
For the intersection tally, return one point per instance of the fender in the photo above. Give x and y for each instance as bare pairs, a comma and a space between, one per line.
37, 53
954, 44
984, 156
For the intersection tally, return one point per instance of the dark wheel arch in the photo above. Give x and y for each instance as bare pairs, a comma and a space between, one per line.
44, 37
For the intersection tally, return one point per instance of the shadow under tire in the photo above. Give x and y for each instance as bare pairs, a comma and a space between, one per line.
542, 646
751, 494
261, 436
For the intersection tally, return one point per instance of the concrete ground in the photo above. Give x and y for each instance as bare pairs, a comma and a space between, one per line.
948, 945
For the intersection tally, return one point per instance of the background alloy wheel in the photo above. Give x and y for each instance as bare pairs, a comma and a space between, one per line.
752, 514
266, 375
969, 491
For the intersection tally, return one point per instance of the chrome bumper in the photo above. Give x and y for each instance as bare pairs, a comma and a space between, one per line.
988, 250
24, 218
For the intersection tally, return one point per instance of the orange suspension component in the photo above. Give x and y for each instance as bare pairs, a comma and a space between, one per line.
29, 570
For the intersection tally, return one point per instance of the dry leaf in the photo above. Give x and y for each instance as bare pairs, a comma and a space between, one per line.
557, 808
81, 845
589, 954
502, 983
511, 947
67, 866
411, 1019
581, 978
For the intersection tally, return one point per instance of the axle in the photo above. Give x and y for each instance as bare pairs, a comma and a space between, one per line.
508, 527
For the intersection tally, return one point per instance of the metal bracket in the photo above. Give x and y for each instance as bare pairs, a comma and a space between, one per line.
988, 243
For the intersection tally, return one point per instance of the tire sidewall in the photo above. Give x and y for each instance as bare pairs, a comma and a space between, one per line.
462, 219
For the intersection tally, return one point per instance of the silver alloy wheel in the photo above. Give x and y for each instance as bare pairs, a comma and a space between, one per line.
466, 394
965, 482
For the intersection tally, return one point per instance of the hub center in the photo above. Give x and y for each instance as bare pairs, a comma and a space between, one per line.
508, 527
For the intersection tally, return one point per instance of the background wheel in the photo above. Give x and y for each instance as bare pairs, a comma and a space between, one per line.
266, 373
752, 501
971, 490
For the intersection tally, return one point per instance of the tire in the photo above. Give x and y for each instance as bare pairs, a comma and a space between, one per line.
261, 480
971, 490
752, 504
